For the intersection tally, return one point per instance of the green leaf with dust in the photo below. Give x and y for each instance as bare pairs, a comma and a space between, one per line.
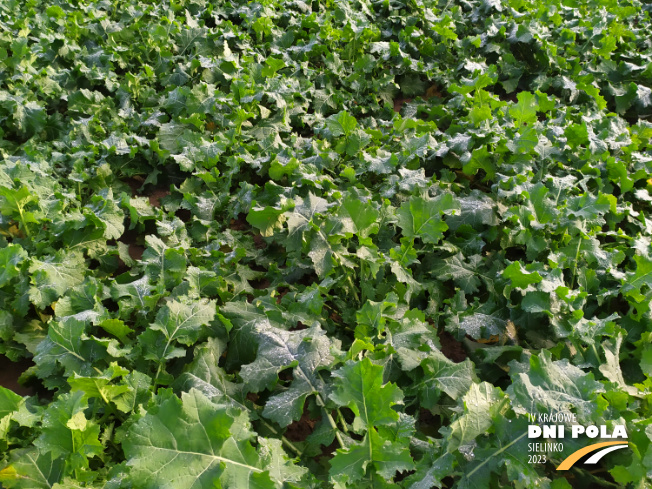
443, 375
482, 404
245, 319
306, 352
205, 375
164, 263
65, 344
544, 385
611, 368
104, 211
638, 279
464, 271
304, 216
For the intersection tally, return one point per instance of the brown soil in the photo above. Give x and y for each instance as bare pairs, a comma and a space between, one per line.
259, 242
134, 184
299, 430
156, 195
428, 423
286, 375
451, 348
335, 317
433, 91
327, 452
281, 292
136, 252
10, 372
298, 327
260, 284
398, 103
239, 224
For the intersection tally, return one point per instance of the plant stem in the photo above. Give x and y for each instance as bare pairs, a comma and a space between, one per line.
22, 220
342, 421
577, 255
331, 421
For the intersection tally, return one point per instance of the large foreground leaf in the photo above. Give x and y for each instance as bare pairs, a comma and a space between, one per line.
193, 443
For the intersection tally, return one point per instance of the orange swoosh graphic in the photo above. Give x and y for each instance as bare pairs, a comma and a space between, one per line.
575, 456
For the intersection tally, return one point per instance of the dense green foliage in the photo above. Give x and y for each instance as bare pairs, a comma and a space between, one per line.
235, 235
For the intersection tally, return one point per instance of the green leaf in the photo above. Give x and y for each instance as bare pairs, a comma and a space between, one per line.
194, 443
9, 401
101, 386
545, 386
53, 276
266, 219
176, 322
272, 65
373, 452
280, 168
482, 404
422, 218
372, 317
519, 277
10, 258
360, 387
480, 159
525, 111
66, 431
443, 375
341, 124
429, 473
362, 214
30, 469
116, 328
